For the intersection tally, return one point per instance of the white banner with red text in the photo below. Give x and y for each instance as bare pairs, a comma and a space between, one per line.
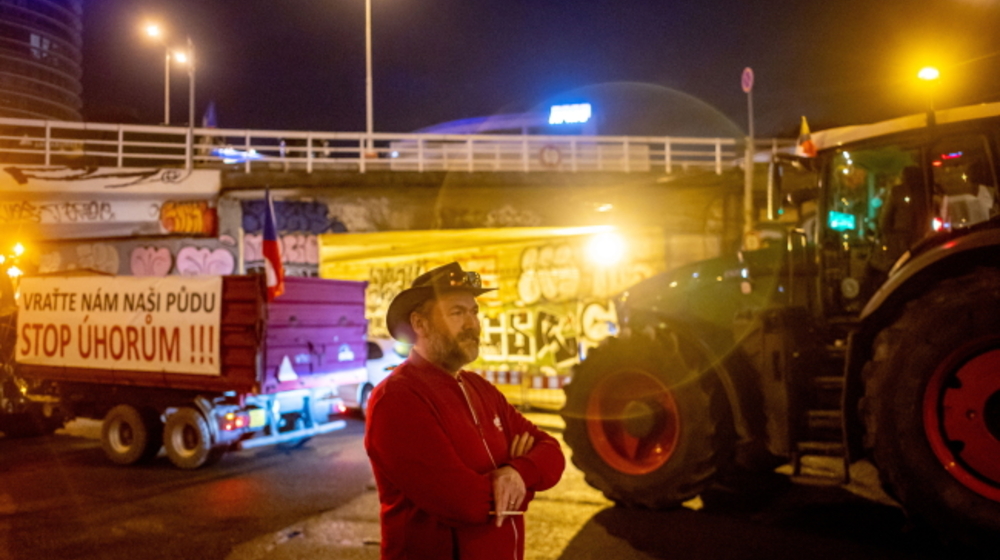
169, 324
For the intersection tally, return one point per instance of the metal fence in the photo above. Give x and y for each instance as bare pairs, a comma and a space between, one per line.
40, 142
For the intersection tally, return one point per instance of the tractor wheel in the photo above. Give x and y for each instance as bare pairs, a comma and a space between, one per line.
640, 421
188, 440
932, 408
130, 435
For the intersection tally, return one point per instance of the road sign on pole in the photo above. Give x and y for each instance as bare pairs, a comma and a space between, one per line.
746, 82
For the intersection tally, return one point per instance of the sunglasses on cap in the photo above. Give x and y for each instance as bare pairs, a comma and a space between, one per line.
464, 279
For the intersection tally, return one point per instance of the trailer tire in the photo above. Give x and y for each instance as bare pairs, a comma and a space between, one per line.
643, 421
130, 435
366, 395
188, 439
298, 423
932, 409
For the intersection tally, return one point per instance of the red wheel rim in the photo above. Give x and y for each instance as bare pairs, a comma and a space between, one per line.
633, 422
961, 412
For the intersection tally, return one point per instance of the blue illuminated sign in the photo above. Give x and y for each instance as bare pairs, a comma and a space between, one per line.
576, 113
840, 221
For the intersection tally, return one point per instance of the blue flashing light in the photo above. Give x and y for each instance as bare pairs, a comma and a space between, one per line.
840, 221
576, 113
232, 155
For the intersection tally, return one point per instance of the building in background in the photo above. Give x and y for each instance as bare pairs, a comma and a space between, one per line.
41, 44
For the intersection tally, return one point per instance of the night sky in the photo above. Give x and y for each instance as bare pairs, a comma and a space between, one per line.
299, 64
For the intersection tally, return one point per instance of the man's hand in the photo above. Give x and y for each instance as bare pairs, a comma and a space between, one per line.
508, 491
522, 444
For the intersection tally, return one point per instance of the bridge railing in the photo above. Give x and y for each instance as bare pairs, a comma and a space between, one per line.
40, 142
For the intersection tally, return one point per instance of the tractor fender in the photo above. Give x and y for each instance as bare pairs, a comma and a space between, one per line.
915, 274
909, 278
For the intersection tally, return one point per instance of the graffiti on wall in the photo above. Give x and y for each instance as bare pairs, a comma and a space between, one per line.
372, 214
195, 217
194, 261
290, 215
101, 257
295, 248
383, 285
132, 258
28, 212
504, 216
299, 223
548, 273
549, 337
151, 261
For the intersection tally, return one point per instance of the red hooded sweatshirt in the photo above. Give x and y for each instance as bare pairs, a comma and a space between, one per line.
433, 441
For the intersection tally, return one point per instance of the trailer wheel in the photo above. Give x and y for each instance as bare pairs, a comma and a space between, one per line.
932, 408
366, 394
130, 435
640, 421
188, 440
293, 423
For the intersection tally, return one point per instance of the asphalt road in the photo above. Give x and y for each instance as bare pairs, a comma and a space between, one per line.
61, 499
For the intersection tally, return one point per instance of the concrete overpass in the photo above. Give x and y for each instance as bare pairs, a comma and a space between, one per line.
394, 182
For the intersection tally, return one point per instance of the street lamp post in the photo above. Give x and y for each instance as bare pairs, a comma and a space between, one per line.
930, 75
190, 83
369, 118
154, 31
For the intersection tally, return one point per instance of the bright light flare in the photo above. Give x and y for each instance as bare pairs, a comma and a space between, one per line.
928, 73
14, 272
18, 250
153, 30
181, 56
606, 249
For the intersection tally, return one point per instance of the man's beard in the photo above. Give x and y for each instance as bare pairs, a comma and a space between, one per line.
453, 352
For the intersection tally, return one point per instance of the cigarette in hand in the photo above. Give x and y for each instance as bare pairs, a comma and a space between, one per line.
508, 513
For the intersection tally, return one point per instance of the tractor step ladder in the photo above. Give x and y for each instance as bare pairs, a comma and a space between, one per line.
823, 432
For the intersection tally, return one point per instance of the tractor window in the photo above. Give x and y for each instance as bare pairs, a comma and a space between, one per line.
870, 216
965, 189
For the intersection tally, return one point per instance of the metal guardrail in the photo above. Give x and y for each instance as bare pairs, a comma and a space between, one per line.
41, 142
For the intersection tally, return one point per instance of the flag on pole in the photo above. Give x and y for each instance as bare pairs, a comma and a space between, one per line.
805, 146
210, 119
273, 268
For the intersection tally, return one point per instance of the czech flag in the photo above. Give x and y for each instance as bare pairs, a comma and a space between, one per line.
805, 146
273, 268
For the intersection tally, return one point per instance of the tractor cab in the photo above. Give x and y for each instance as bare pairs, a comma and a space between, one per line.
879, 198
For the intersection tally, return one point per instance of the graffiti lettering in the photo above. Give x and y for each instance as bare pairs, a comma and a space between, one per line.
552, 337
548, 273
26, 212
150, 261
291, 216
295, 249
385, 283
193, 261
188, 217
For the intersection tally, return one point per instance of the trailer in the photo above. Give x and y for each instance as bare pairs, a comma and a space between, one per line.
194, 365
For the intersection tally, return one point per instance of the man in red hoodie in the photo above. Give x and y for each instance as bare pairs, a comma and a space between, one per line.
455, 464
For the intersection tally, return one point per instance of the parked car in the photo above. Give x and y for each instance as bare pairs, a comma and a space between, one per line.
384, 354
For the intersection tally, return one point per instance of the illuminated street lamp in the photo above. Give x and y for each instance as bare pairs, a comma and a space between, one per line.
930, 75
154, 31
